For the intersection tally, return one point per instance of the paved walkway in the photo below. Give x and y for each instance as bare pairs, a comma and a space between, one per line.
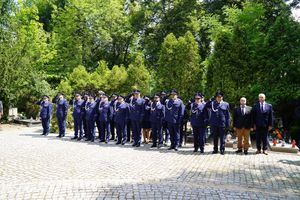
38, 167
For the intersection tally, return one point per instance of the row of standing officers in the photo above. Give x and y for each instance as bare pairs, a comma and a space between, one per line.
162, 113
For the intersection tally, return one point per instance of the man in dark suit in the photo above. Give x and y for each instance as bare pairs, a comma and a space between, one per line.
242, 124
263, 122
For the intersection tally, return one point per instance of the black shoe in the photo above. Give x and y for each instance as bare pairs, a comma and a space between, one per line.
138, 145
43, 134
239, 151
215, 152
88, 139
180, 145
201, 151
195, 150
222, 152
112, 139
118, 143
133, 145
258, 152
159, 146
176, 148
59, 136
102, 140
106, 142
92, 140
246, 152
80, 138
74, 138
123, 143
265, 152
153, 146
170, 148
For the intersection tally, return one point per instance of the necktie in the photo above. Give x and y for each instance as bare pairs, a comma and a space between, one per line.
243, 110
261, 107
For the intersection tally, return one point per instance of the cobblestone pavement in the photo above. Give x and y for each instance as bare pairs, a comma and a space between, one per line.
38, 167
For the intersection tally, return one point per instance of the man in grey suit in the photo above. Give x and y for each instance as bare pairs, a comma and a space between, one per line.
263, 122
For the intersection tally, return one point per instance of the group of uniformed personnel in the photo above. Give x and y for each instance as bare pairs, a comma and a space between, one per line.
162, 116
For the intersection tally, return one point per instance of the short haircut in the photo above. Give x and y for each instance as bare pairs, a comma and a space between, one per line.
243, 98
262, 95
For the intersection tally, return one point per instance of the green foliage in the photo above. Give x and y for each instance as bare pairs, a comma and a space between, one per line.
23, 51
118, 79
138, 76
258, 57
179, 65
242, 47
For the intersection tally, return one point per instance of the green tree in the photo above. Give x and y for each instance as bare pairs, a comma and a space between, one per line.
138, 76
179, 65
23, 50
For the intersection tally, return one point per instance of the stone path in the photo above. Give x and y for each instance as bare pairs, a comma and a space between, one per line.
38, 167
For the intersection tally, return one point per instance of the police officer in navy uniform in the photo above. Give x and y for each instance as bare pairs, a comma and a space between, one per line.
90, 117
85, 100
78, 115
157, 115
128, 98
263, 122
136, 114
146, 123
104, 118
45, 114
173, 114
163, 98
121, 115
61, 114
183, 126
199, 121
219, 121
113, 101
98, 100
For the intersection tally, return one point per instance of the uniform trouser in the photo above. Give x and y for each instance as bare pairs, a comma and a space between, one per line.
243, 138
91, 129
85, 128
166, 130
218, 132
61, 126
128, 130
78, 126
112, 129
199, 137
121, 132
137, 131
174, 130
181, 133
262, 136
156, 128
46, 125
104, 128
98, 127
